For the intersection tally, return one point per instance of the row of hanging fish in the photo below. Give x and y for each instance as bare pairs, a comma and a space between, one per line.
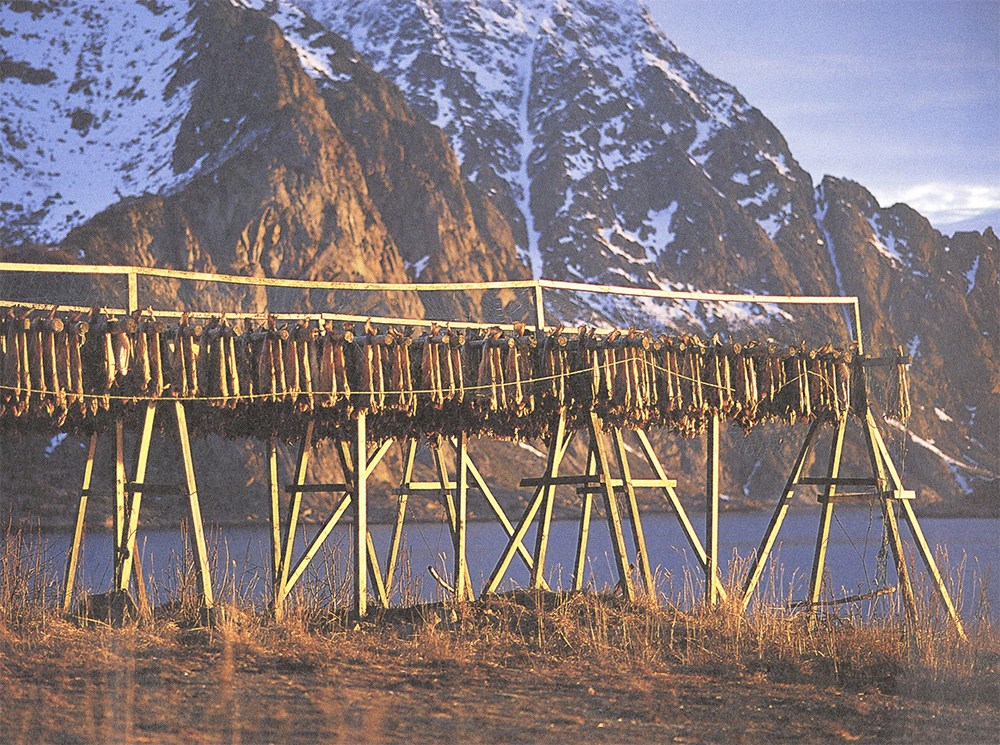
432, 380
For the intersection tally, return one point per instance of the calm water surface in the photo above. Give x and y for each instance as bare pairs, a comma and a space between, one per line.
242, 559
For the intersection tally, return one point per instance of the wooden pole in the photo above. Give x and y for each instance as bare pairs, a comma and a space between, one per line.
767, 543
557, 449
273, 483
133, 512
548, 500
889, 518
449, 505
689, 532
826, 514
360, 498
294, 506
461, 516
74, 550
119, 515
201, 550
638, 539
712, 510
314, 545
583, 535
500, 515
611, 508
409, 456
918, 535
539, 307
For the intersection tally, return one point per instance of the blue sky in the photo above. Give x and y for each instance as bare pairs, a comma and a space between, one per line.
902, 96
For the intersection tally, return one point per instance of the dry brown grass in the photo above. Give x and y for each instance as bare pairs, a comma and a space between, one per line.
317, 674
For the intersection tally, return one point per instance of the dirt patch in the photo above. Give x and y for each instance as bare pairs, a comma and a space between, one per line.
423, 677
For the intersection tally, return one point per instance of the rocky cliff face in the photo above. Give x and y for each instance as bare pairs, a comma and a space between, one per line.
626, 163
456, 140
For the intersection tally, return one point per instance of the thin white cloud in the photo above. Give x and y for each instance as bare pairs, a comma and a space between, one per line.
943, 203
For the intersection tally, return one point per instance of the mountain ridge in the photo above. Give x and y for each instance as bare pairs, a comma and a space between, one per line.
575, 139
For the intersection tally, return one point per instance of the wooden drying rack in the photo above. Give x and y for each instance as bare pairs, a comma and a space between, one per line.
357, 462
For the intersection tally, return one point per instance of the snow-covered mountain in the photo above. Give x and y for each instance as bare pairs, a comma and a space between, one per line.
570, 139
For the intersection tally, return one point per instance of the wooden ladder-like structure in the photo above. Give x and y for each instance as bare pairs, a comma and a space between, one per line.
884, 484
600, 479
127, 502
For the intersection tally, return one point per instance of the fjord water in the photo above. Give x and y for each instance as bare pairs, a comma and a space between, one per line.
242, 555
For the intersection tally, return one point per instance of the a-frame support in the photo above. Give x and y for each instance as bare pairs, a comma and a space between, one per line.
285, 573
467, 478
128, 501
598, 479
886, 486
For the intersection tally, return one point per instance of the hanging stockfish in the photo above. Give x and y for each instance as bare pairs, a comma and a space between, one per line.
99, 369
215, 363
302, 344
366, 365
456, 371
814, 373
843, 382
517, 370
333, 384
490, 390
188, 335
582, 355
52, 331
76, 336
122, 332
400, 396
230, 351
554, 367
152, 332
36, 372
429, 345
803, 360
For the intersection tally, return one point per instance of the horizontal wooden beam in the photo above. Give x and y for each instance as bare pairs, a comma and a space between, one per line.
839, 481
596, 482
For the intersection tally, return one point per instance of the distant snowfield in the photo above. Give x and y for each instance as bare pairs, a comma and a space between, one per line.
95, 103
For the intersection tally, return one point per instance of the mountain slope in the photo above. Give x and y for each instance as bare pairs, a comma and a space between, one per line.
568, 139
623, 161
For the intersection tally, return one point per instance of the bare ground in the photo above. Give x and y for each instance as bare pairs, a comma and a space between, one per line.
418, 680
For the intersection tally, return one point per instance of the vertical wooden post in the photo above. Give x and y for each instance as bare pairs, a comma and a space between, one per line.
449, 504
689, 532
272, 481
767, 543
74, 550
133, 292
409, 456
462, 587
539, 307
119, 516
826, 514
129, 549
197, 527
638, 539
360, 503
712, 510
584, 533
611, 508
